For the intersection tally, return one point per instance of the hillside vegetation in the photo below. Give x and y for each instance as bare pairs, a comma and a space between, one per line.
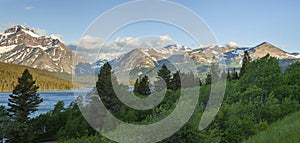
46, 80
284, 131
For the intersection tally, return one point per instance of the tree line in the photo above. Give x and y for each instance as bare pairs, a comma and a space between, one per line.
46, 80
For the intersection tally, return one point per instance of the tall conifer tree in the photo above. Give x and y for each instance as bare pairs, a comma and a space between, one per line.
246, 60
22, 103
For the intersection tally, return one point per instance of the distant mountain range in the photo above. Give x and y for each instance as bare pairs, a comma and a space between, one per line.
143, 58
21, 45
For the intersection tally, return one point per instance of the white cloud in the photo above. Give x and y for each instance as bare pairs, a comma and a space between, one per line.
28, 7
89, 46
162, 41
231, 44
88, 42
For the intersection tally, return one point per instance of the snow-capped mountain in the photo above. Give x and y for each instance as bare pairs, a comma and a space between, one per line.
177, 47
150, 57
21, 45
146, 57
257, 52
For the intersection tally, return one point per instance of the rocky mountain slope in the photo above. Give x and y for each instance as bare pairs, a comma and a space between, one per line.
150, 57
21, 45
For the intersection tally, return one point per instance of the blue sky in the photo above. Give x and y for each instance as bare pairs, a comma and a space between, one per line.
247, 22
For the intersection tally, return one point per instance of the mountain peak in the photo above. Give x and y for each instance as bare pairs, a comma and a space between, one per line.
21, 35
21, 45
20, 28
177, 47
265, 44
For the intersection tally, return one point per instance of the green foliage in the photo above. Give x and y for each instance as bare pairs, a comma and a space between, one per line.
292, 74
264, 73
175, 81
165, 74
4, 120
46, 80
246, 60
61, 123
283, 131
245, 111
141, 86
105, 89
234, 75
208, 78
22, 103
261, 97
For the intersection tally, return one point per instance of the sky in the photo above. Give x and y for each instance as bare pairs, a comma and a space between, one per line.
246, 22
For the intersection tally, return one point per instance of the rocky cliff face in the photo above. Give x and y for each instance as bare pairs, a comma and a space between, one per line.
21, 45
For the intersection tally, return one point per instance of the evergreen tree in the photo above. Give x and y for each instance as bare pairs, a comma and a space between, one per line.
228, 75
4, 120
143, 86
136, 85
175, 81
208, 78
246, 60
234, 75
165, 74
104, 85
22, 103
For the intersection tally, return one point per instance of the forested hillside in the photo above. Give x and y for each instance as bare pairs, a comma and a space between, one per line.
253, 102
46, 80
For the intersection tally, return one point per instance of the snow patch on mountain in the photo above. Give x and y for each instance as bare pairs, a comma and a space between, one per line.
4, 49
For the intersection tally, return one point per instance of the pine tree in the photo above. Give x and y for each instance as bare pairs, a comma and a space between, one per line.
234, 74
143, 86
175, 81
228, 75
165, 74
22, 103
4, 120
106, 82
246, 60
208, 79
136, 85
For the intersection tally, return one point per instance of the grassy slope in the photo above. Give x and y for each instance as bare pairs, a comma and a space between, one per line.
284, 131
46, 80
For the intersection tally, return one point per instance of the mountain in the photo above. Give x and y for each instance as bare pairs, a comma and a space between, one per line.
46, 80
258, 51
204, 55
150, 57
23, 46
147, 59
89, 69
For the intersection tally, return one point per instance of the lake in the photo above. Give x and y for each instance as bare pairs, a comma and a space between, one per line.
50, 99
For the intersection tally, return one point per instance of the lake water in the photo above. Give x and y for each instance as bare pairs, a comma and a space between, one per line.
50, 99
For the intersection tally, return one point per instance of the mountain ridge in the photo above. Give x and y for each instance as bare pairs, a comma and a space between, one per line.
21, 45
